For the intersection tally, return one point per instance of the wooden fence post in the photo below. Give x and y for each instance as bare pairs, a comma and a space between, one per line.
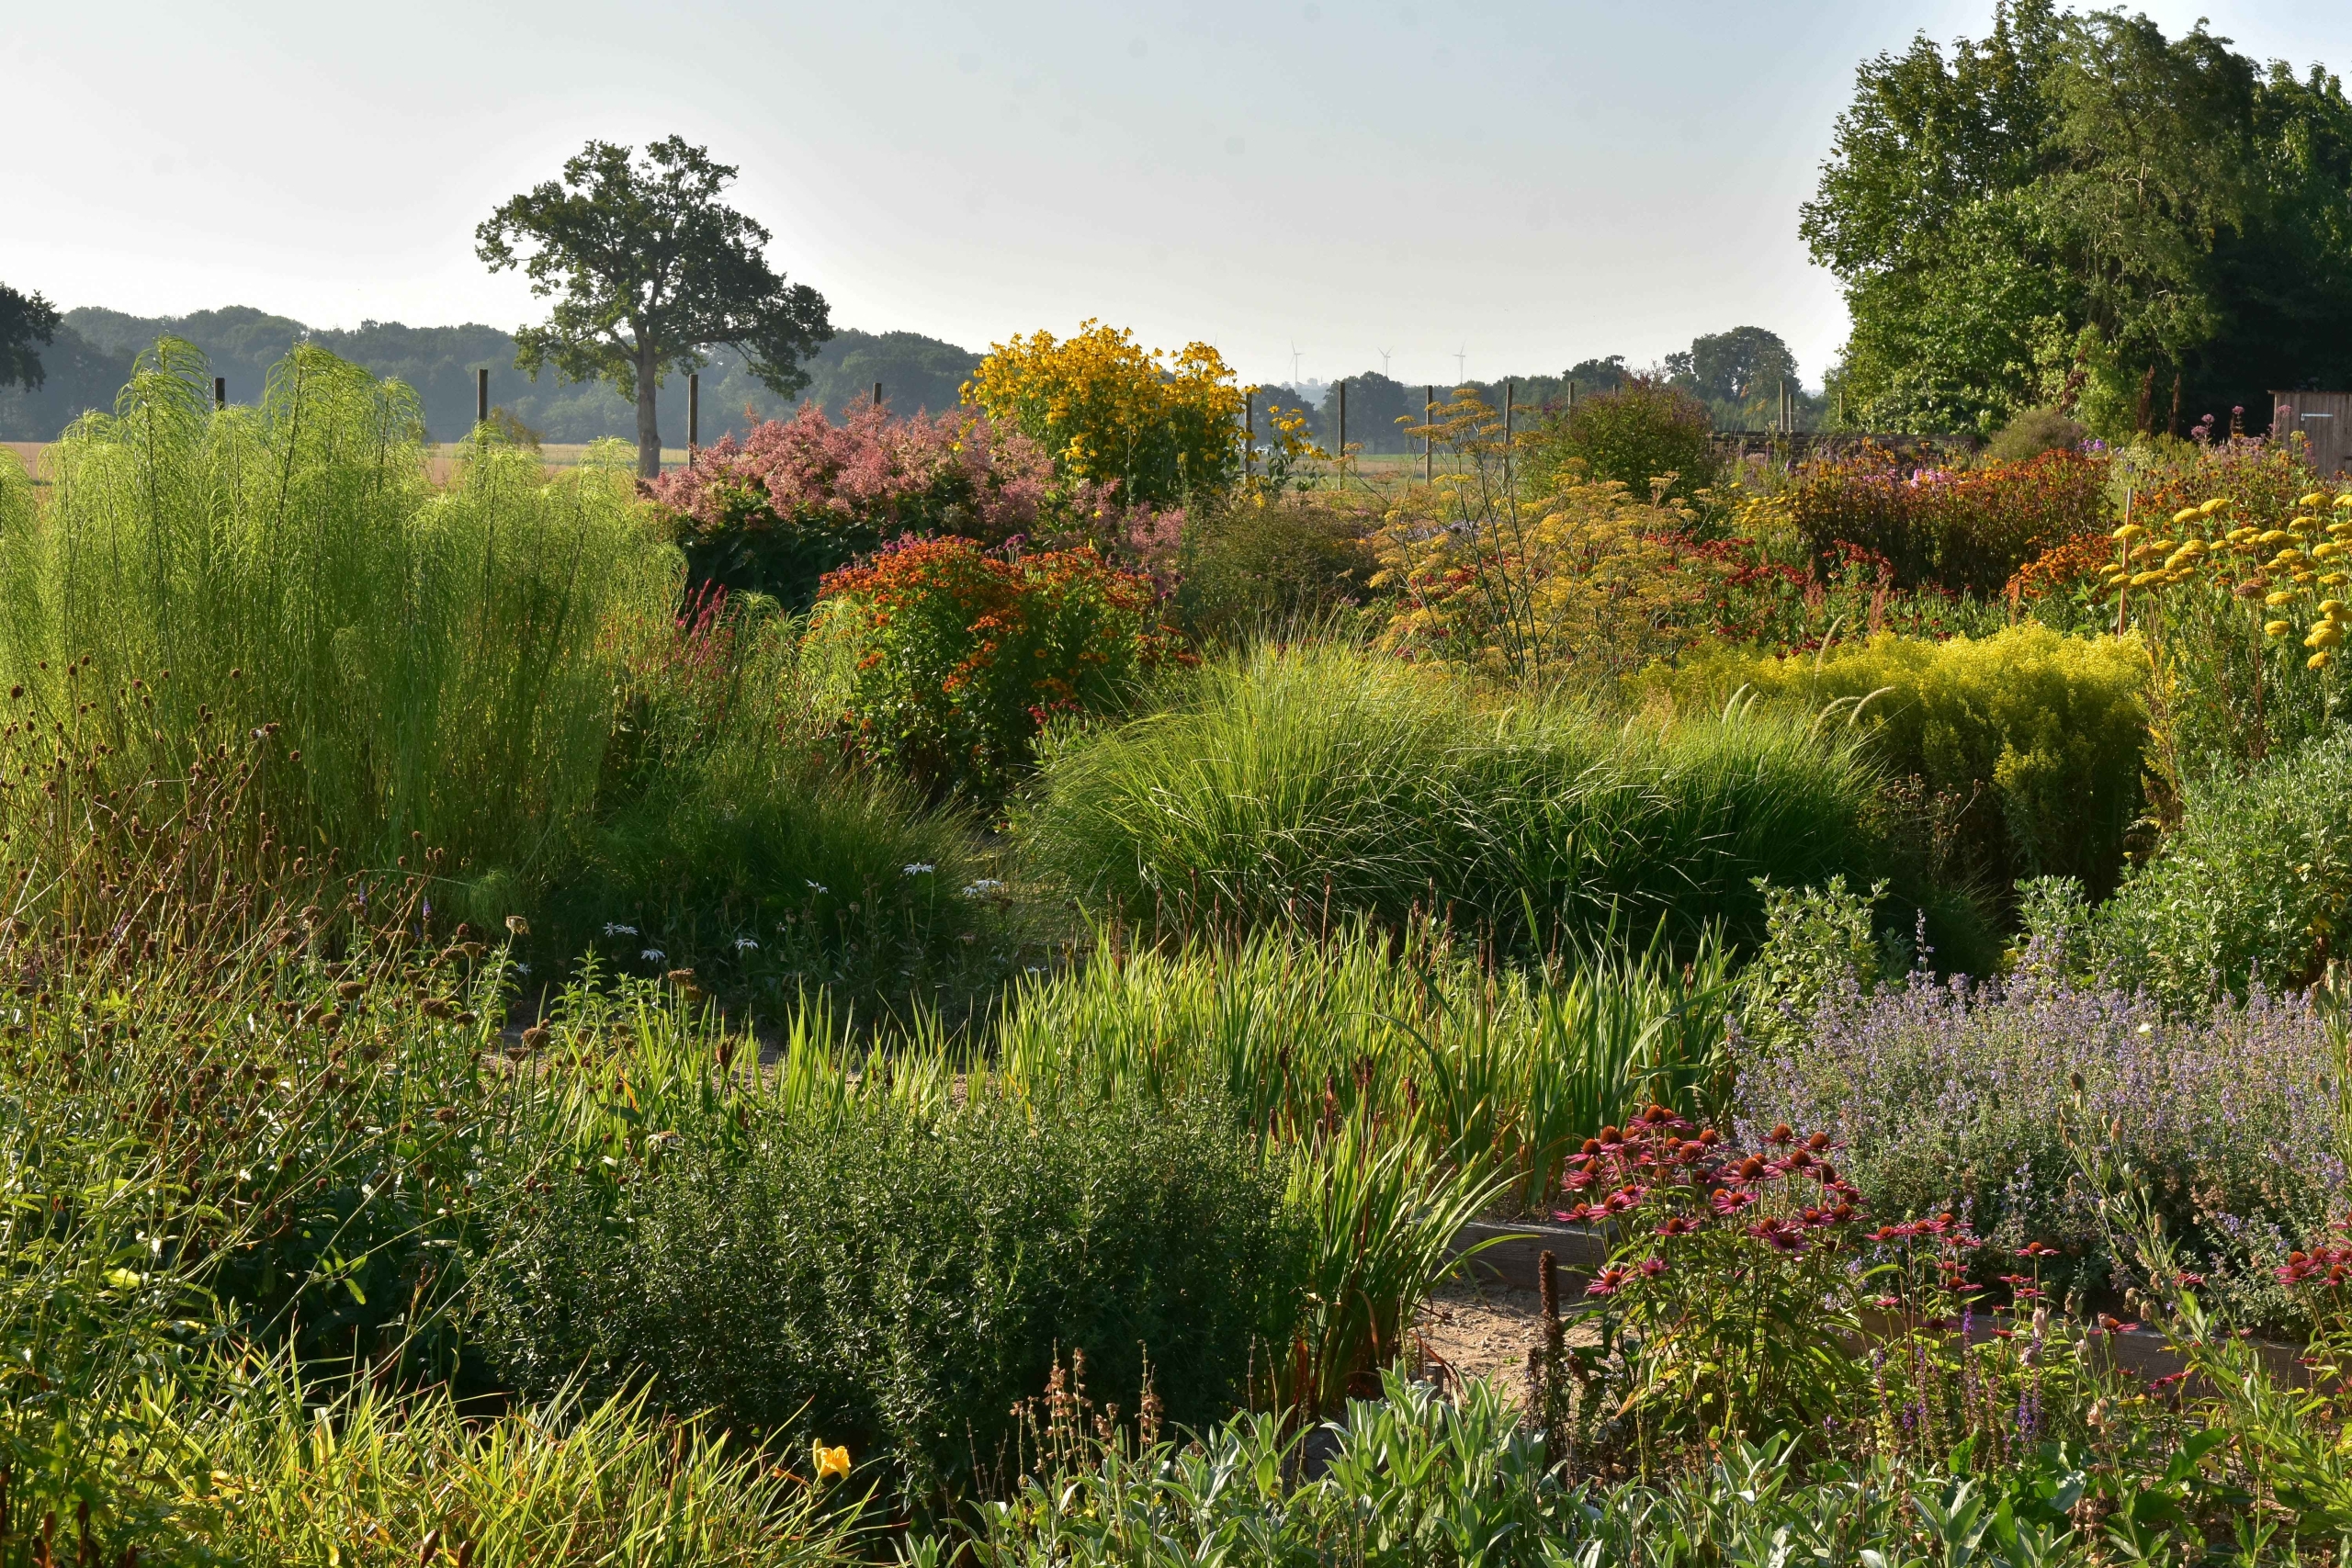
694, 413
481, 396
220, 392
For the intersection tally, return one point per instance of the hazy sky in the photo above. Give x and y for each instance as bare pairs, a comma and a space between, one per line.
1528, 184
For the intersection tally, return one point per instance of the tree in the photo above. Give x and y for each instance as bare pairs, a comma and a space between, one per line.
1737, 368
2083, 213
25, 320
651, 270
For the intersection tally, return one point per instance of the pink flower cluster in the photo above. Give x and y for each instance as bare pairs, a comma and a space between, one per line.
957, 473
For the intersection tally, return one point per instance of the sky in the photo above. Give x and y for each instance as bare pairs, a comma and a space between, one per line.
1317, 189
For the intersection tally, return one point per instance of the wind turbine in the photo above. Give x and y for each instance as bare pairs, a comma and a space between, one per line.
1384, 363
1293, 367
1460, 355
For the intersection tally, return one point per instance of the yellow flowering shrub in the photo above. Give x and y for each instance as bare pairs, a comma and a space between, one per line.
1164, 427
1582, 584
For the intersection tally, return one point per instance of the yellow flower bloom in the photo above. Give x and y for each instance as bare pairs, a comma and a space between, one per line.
2274, 535
2282, 596
2318, 660
2345, 500
830, 1463
2328, 634
2186, 515
2215, 505
2277, 629
2316, 498
2141, 580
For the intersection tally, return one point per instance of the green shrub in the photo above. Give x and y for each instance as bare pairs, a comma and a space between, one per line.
894, 1276
1288, 784
1640, 433
2032, 433
495, 672
2250, 889
2026, 745
1255, 566
943, 659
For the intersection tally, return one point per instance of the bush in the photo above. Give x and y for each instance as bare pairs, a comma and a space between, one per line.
2251, 891
1286, 783
894, 1276
1250, 567
1579, 585
732, 840
1634, 435
1966, 531
1165, 429
2032, 433
799, 498
2026, 745
1960, 1097
944, 660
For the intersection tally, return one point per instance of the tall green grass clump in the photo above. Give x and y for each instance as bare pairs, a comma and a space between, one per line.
1321, 781
1493, 1069
436, 660
499, 671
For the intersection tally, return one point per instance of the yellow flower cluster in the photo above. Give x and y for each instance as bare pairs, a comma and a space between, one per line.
2297, 569
1106, 408
1580, 583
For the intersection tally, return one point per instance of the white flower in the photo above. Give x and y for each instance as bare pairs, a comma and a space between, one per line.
1036, 969
983, 887
620, 930
818, 885
522, 969
653, 956
745, 944
916, 868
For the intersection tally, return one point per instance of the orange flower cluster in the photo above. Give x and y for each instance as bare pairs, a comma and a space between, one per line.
946, 658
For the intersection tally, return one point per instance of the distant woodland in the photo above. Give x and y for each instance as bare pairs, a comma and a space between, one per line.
90, 360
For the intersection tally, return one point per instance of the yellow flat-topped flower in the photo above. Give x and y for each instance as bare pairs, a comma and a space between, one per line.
830, 1463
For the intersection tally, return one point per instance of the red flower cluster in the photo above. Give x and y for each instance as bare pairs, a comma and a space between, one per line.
2329, 1265
1659, 1161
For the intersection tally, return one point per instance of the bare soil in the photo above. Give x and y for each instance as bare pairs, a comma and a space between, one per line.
1484, 1331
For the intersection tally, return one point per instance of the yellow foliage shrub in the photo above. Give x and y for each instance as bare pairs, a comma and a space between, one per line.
2026, 745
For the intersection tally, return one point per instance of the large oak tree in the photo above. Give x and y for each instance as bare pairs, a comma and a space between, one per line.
648, 269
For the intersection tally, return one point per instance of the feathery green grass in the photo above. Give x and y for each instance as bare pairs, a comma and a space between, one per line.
1309, 782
